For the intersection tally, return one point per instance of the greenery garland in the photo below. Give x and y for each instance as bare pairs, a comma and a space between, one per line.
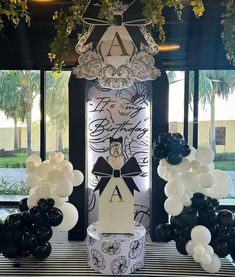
65, 23
228, 32
14, 11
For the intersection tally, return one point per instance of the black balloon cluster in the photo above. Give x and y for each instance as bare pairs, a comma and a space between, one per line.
172, 147
203, 211
29, 231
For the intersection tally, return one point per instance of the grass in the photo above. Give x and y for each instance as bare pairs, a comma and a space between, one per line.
225, 165
18, 188
19, 160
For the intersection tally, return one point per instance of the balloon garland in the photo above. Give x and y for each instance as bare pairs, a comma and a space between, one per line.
29, 231
192, 189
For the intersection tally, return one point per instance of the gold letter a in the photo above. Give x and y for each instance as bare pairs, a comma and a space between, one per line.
119, 44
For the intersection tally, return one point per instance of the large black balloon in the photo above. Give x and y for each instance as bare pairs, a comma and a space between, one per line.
221, 248
54, 216
181, 244
13, 222
10, 250
42, 251
23, 205
225, 217
29, 241
164, 232
43, 204
38, 216
174, 158
44, 233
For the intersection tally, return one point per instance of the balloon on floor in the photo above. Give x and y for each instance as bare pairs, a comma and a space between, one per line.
197, 225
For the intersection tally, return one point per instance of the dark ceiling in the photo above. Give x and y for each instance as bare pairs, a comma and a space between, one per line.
199, 39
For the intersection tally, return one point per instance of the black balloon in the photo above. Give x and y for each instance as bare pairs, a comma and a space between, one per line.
164, 232
225, 217
44, 233
221, 248
181, 244
43, 204
29, 240
54, 216
50, 202
38, 216
13, 221
10, 250
23, 205
42, 251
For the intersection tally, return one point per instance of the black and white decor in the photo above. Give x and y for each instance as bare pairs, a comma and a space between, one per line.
116, 254
115, 113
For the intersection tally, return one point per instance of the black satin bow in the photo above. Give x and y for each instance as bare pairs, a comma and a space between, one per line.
132, 19
104, 170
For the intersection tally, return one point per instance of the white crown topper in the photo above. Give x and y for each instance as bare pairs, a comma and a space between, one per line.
116, 54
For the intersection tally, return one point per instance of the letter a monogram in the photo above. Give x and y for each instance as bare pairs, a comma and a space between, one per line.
119, 44
116, 192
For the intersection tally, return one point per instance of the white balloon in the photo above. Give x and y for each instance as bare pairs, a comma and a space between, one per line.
222, 186
164, 163
161, 171
31, 167
201, 235
173, 206
60, 156
206, 180
35, 159
189, 247
32, 180
53, 176
53, 155
63, 188
214, 266
209, 250
43, 191
204, 155
59, 201
190, 180
33, 200
70, 217
206, 259
184, 166
54, 162
199, 250
174, 188
78, 178
204, 168
188, 204
65, 166
185, 198
191, 156
195, 164
166, 176
196, 258
189, 193
43, 169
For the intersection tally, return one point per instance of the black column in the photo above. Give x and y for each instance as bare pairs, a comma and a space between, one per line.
160, 95
77, 152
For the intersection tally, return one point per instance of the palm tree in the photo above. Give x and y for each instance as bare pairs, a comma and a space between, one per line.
214, 83
18, 89
10, 102
57, 104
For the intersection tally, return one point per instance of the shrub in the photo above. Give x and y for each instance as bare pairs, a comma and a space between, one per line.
226, 156
6, 153
17, 188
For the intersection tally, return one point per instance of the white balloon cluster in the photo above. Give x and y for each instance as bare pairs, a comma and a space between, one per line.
53, 178
195, 173
202, 252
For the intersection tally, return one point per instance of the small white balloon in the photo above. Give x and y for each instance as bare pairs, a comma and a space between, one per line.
204, 168
173, 206
191, 156
53, 155
189, 247
195, 165
184, 166
184, 198
190, 180
163, 162
35, 159
201, 235
188, 204
65, 166
32, 200
78, 178
63, 188
174, 188
204, 155
206, 259
53, 176
161, 171
199, 250
43, 169
32, 180
196, 258
222, 186
70, 217
209, 250
214, 266
31, 167
206, 180
59, 201
60, 156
